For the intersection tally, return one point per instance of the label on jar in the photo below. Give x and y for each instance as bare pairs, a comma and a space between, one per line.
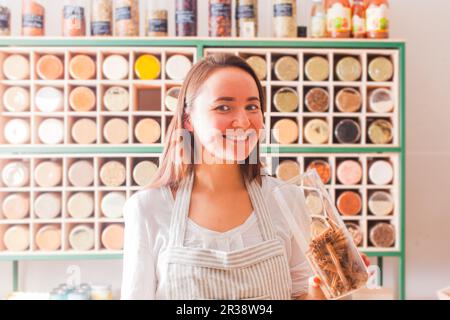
318, 26
100, 28
247, 29
282, 10
184, 17
339, 18
377, 18
359, 24
32, 21
220, 10
123, 13
245, 12
4, 21
73, 12
157, 25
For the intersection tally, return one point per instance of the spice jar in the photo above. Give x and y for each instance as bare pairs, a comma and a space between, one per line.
33, 18
380, 131
287, 169
321, 235
186, 18
5, 19
323, 169
101, 18
317, 100
338, 18
126, 18
377, 14
258, 65
347, 131
381, 69
381, 100
219, 21
156, 23
286, 100
348, 100
247, 18
284, 18
382, 235
318, 22
74, 19
358, 19
317, 131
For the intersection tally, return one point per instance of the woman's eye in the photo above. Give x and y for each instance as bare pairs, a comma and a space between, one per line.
222, 108
252, 107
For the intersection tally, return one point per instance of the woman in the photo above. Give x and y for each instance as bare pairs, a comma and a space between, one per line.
207, 227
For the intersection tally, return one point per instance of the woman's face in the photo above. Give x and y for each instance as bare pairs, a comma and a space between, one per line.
227, 117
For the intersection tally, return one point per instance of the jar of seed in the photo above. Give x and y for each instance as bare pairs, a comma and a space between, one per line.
101, 17
156, 24
247, 18
284, 18
186, 18
5, 18
126, 18
219, 18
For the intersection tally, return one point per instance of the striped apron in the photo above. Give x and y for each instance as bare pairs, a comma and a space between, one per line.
255, 273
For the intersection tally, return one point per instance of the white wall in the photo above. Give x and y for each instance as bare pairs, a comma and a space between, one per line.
423, 24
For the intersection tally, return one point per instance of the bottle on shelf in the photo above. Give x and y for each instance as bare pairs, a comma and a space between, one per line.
33, 18
156, 22
358, 19
101, 18
247, 18
284, 18
338, 18
186, 18
219, 18
377, 15
126, 18
318, 22
74, 18
5, 18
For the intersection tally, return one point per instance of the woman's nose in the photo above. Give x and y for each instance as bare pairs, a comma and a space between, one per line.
241, 120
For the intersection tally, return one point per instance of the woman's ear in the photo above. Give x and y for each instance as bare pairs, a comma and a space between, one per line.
187, 123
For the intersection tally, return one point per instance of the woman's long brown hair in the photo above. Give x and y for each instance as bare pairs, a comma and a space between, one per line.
172, 169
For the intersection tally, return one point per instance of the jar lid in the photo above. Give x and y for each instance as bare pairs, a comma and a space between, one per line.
349, 203
381, 69
286, 100
81, 173
113, 174
82, 238
317, 131
115, 67
82, 99
112, 237
82, 67
285, 131
16, 67
116, 99
17, 238
48, 174
381, 100
80, 205
380, 132
84, 131
171, 100
47, 205
112, 204
147, 131
381, 172
317, 100
382, 235
323, 169
51, 131
143, 172
50, 67
16, 99
259, 65
355, 232
147, 67
15, 174
178, 66
348, 69
48, 238
115, 131
286, 68
17, 131
317, 69
348, 100
16, 206
49, 99
287, 169
349, 172
381, 203
347, 131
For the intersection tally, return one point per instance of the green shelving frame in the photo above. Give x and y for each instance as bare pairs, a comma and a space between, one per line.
201, 44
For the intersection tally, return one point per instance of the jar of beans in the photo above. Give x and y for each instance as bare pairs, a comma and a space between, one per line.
186, 18
219, 18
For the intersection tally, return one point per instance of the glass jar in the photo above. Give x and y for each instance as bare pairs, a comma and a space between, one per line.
5, 18
338, 18
101, 292
101, 17
284, 18
219, 21
377, 14
318, 22
126, 18
186, 18
247, 18
74, 19
156, 23
358, 19
33, 18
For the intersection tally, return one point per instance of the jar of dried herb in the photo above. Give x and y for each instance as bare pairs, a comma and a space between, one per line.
284, 18
126, 18
101, 18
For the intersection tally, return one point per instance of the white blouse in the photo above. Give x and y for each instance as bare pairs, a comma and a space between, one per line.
147, 217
